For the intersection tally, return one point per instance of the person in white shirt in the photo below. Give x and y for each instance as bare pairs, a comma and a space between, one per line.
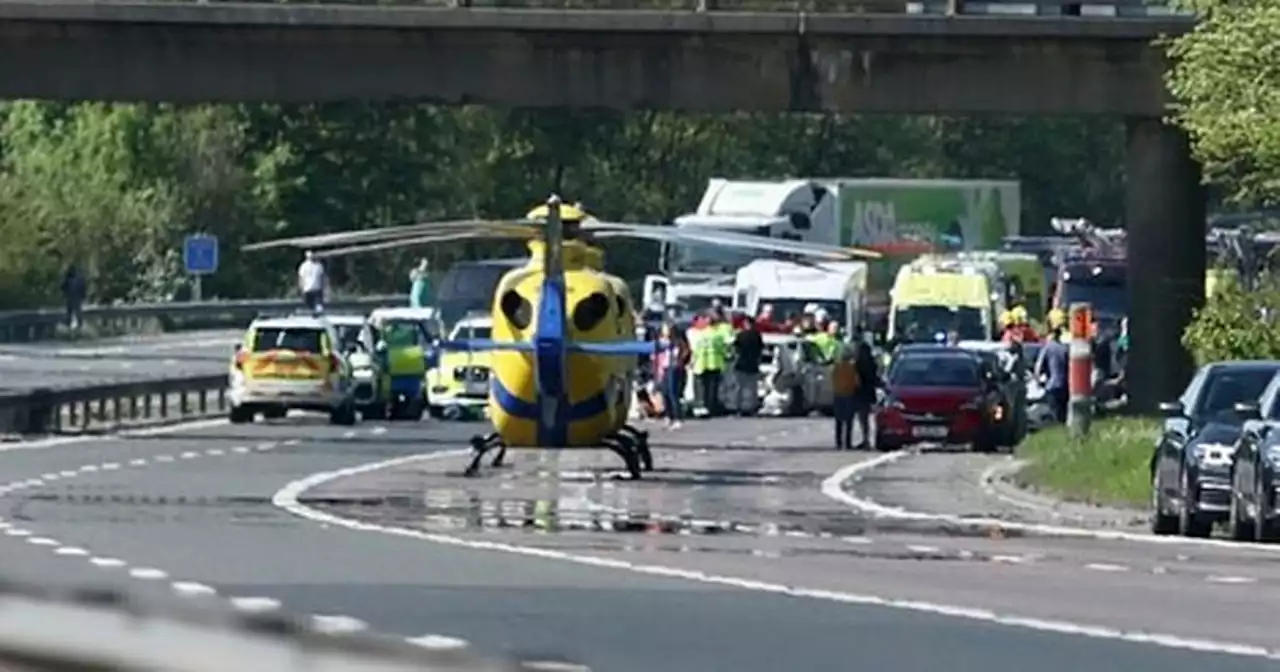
311, 282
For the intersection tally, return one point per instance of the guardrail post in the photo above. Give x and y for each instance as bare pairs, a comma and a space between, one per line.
705, 6
1080, 372
955, 7
164, 405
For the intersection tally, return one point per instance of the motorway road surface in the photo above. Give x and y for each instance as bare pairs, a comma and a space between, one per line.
729, 557
56, 365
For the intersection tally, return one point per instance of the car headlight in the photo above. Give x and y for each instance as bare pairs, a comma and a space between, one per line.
890, 402
1213, 453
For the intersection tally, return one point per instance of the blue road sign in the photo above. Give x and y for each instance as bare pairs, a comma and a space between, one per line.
200, 254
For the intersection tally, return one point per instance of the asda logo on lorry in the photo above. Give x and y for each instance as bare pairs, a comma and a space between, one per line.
875, 223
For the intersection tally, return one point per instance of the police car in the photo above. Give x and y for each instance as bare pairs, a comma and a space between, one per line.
287, 363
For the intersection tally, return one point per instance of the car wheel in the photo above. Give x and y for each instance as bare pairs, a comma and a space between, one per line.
1190, 524
1240, 527
1161, 523
239, 415
798, 408
1264, 529
343, 415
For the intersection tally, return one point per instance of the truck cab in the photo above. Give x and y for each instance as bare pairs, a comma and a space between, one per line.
801, 210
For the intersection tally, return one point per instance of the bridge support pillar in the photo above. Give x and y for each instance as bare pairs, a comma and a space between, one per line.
1165, 217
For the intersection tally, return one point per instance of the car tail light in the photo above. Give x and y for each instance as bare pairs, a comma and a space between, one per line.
335, 363
240, 359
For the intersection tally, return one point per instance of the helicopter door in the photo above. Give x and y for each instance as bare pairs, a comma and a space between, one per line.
656, 291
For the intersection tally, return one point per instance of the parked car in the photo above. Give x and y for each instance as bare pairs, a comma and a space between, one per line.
939, 394
287, 363
1255, 469
1191, 464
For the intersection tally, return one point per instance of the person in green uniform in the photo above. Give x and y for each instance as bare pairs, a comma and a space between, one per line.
420, 285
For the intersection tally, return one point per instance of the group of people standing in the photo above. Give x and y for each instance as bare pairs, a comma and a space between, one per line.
716, 344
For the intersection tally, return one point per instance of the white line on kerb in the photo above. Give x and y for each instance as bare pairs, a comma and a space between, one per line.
833, 487
287, 499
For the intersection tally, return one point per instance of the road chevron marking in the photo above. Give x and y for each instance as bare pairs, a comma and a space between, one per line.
287, 499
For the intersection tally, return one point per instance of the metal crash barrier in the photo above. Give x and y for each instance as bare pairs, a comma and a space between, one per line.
95, 630
112, 406
43, 323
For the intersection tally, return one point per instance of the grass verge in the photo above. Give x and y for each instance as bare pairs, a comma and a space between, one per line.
1110, 466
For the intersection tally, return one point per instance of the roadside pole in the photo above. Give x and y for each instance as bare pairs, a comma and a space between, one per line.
1080, 372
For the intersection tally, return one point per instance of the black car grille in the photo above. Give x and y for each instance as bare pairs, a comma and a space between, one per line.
476, 374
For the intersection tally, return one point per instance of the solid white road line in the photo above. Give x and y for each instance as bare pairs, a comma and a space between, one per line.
287, 499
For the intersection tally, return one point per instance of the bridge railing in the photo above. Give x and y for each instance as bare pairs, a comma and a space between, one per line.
44, 323
45, 630
1065, 8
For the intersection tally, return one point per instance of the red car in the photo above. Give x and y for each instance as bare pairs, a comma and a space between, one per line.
938, 395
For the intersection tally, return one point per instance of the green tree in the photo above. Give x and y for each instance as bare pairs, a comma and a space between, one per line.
1236, 324
1226, 78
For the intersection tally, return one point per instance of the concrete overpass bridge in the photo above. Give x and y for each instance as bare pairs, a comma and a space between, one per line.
1088, 57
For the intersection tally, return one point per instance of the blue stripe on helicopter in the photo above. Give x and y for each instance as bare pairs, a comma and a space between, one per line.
602, 348
549, 365
528, 410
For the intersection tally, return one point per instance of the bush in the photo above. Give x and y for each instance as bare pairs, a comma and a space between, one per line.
1236, 324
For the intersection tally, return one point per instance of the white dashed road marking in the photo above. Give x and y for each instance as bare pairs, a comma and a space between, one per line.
255, 604
438, 642
337, 624
148, 573
192, 588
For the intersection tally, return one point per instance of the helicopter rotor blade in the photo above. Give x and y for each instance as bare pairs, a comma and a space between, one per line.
679, 235
423, 240
389, 233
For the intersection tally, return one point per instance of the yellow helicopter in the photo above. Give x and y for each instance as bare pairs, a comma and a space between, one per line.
563, 339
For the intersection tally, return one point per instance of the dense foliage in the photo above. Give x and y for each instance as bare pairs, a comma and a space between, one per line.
1226, 77
114, 188
1236, 324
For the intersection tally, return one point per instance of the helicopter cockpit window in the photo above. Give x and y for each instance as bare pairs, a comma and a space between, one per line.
517, 309
590, 311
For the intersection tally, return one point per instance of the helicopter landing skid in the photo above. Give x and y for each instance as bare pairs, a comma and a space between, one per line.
629, 446
481, 444
640, 438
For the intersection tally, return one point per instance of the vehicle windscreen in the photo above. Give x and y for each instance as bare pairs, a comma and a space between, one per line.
689, 305
786, 307
710, 257
923, 324
468, 288
348, 336
403, 334
1109, 300
1224, 389
934, 371
297, 339
463, 332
